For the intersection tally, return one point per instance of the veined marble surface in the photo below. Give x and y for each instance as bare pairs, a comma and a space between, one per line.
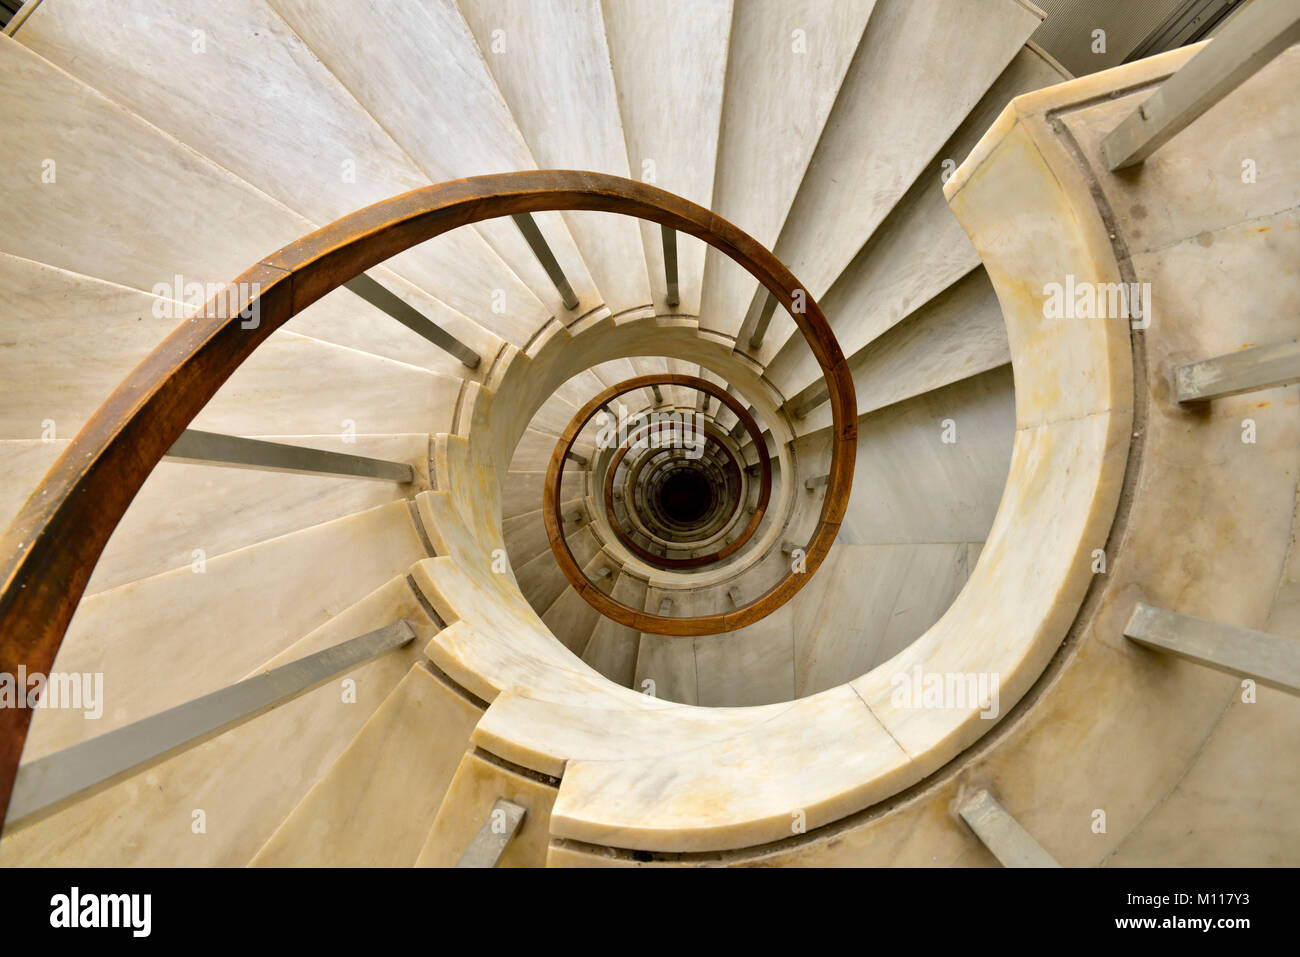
376, 804
916, 251
669, 62
246, 780
164, 640
244, 90
551, 63
785, 65
1205, 757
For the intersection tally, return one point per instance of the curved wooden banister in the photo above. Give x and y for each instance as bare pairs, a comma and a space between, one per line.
51, 547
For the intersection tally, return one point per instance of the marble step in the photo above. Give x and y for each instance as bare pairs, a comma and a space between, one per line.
164, 640
525, 538
539, 577
521, 492
535, 448
55, 319
680, 395
296, 385
495, 640
957, 334
670, 63
183, 507
23, 463
876, 142
646, 365
525, 535
68, 341
479, 781
754, 580
615, 371
750, 666
612, 648
242, 89
914, 254
126, 228
552, 66
375, 804
346, 319
244, 781
554, 414
785, 65
911, 485
581, 387
570, 618
540, 581
92, 222
665, 666
868, 602
431, 77
52, 317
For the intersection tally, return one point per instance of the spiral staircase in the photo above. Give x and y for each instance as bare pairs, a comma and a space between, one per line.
635, 392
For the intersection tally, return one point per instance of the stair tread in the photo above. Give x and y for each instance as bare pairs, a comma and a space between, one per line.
555, 75
958, 334
178, 635
378, 800
917, 251
669, 62
51, 108
885, 596
431, 77
247, 102
665, 666
468, 804
923, 489
612, 648
245, 780
750, 666
52, 318
777, 100
876, 142
182, 507
569, 617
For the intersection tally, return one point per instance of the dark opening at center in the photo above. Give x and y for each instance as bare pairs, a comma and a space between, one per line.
686, 496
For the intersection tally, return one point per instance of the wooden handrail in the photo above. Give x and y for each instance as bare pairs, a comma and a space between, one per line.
51, 547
